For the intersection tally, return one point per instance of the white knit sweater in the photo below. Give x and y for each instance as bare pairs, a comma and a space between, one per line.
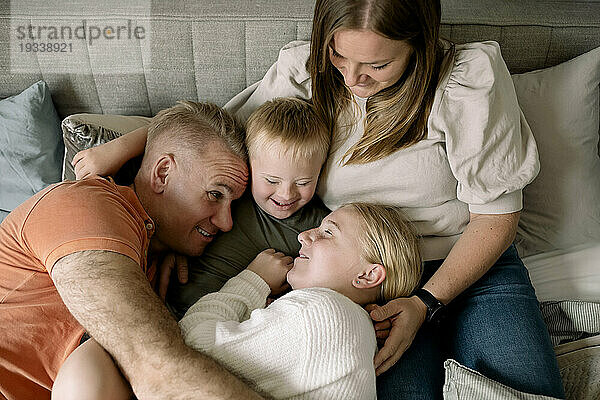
309, 344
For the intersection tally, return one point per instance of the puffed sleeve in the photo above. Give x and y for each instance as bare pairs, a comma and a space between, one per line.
287, 77
490, 147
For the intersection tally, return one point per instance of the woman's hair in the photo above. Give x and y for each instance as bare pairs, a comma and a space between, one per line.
396, 116
389, 239
290, 122
188, 126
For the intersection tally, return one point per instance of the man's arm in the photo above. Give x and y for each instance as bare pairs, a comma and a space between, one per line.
110, 296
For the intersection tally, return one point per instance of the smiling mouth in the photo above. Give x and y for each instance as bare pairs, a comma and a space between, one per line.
204, 233
284, 205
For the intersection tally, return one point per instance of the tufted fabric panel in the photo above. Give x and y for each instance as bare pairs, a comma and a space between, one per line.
211, 50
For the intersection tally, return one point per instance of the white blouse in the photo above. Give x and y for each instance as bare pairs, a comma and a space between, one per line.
478, 155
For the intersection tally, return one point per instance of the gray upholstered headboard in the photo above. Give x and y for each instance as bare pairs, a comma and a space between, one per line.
211, 50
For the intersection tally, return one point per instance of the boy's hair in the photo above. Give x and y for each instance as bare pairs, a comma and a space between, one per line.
292, 123
389, 239
188, 126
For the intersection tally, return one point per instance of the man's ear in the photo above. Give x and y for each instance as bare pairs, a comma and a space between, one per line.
372, 277
160, 174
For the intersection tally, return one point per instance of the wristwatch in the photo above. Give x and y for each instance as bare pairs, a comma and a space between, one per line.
435, 308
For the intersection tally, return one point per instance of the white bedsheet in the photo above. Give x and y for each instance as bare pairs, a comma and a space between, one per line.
572, 274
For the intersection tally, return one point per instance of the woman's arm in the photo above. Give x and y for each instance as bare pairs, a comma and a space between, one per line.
483, 241
109, 157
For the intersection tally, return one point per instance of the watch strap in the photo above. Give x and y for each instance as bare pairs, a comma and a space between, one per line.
434, 306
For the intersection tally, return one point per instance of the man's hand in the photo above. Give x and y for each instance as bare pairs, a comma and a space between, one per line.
170, 262
273, 268
396, 323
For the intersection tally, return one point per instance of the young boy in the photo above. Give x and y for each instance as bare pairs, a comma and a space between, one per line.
316, 342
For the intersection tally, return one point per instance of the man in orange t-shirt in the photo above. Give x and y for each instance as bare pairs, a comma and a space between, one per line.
73, 258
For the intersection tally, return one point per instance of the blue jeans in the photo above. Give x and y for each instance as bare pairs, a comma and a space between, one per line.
495, 327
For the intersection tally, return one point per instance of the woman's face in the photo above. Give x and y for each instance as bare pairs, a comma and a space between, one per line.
330, 255
369, 62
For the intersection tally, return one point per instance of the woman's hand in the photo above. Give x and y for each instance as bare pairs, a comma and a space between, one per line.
273, 267
103, 160
396, 323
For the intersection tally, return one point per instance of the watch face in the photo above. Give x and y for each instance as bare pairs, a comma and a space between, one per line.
437, 312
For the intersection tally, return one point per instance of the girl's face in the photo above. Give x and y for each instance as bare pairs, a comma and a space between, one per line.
330, 255
369, 62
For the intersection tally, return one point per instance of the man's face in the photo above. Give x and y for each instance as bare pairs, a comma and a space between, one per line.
196, 202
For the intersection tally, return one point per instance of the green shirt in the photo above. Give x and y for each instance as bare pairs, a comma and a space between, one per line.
253, 231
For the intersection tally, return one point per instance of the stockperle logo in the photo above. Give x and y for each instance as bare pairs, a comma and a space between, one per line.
105, 37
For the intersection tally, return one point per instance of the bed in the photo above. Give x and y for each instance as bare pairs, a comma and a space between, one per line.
132, 59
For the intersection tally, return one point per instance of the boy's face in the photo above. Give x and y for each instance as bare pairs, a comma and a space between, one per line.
281, 186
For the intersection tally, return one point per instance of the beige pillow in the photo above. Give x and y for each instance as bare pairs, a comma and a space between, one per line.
463, 383
561, 207
579, 364
82, 131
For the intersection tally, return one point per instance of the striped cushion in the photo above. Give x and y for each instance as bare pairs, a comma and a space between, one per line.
463, 383
571, 320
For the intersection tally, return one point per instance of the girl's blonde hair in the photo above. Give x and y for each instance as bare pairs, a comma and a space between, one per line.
389, 239
396, 116
290, 122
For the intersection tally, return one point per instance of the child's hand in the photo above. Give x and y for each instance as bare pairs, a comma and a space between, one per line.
101, 160
172, 261
273, 268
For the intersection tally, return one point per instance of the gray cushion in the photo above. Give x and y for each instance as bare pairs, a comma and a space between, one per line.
579, 364
561, 104
31, 147
570, 320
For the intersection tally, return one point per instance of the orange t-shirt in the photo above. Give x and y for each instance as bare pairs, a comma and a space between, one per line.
37, 331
